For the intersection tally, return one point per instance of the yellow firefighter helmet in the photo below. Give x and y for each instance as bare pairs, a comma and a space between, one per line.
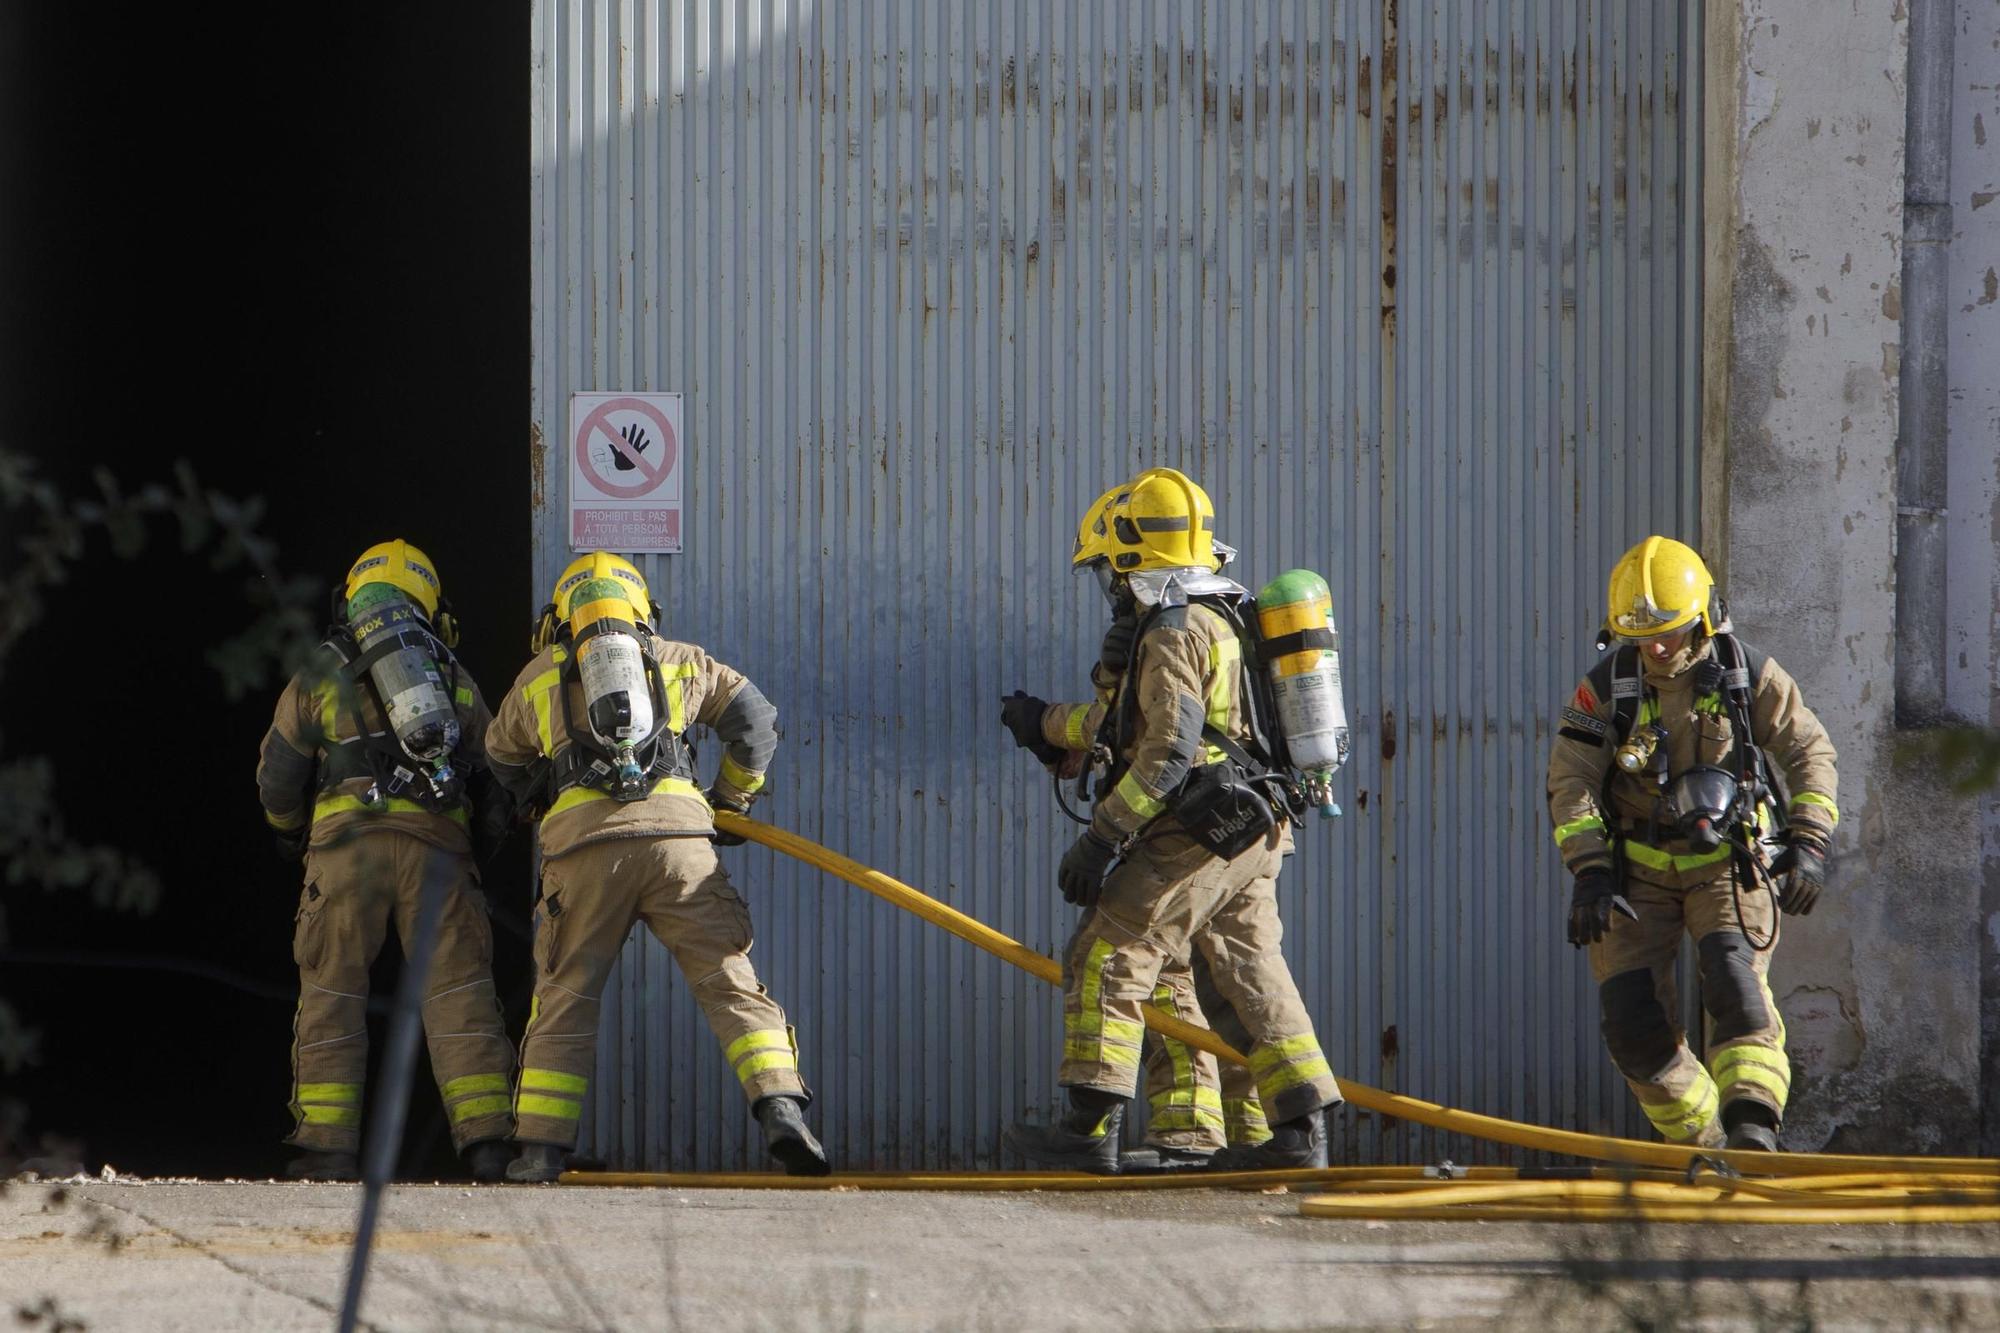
1163, 520
400, 565
1093, 534
589, 569
1658, 587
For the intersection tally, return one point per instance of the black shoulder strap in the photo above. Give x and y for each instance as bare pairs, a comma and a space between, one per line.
1626, 686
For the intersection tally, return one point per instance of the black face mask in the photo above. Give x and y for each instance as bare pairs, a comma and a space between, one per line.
1703, 803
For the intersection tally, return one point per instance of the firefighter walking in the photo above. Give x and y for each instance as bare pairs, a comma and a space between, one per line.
1180, 710
1683, 753
592, 736
373, 772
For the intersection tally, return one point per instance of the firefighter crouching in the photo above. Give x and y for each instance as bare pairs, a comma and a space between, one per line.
592, 736
1664, 785
374, 772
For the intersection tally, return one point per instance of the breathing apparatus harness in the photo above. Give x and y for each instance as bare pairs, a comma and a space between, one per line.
589, 762
379, 756
1229, 804
1708, 805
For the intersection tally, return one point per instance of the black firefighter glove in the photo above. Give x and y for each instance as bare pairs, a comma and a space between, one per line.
1801, 873
1081, 875
291, 843
1021, 714
1591, 904
718, 799
1115, 654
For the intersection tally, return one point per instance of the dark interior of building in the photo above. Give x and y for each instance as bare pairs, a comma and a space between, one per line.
260, 242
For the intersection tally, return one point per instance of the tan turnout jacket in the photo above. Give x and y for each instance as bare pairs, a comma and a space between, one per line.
1699, 731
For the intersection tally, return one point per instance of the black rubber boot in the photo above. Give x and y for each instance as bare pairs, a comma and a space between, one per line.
486, 1161
1153, 1161
538, 1164
1294, 1144
1751, 1125
786, 1135
1085, 1139
318, 1165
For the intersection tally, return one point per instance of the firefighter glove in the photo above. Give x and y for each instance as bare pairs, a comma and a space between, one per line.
1021, 713
1800, 871
718, 799
1115, 655
1081, 875
1591, 904
291, 844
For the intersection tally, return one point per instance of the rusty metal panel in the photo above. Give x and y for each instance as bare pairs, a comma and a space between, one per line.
1411, 287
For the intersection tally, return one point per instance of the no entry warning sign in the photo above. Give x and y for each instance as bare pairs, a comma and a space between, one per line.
625, 471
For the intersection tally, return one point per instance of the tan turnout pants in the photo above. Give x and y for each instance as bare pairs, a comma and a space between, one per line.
353, 889
1193, 1099
591, 896
1167, 897
1634, 970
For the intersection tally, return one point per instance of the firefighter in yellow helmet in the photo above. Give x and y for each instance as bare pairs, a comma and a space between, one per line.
1180, 726
1193, 1108
592, 737
1684, 754
374, 772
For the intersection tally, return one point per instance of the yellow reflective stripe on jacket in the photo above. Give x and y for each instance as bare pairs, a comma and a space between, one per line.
673, 680
536, 692
1225, 654
552, 1093
1243, 1121
1684, 1118
1761, 1065
740, 777
1588, 824
338, 1094
576, 796
1074, 727
285, 825
475, 1095
1814, 798
1142, 802
395, 805
1654, 859
474, 1107
463, 694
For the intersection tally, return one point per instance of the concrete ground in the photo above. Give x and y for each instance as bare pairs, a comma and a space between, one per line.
168, 1255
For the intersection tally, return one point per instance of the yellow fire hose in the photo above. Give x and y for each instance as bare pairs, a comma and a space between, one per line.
1469, 1123
1850, 1188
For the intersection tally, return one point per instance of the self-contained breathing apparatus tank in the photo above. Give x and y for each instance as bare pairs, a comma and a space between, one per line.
617, 687
1302, 651
400, 656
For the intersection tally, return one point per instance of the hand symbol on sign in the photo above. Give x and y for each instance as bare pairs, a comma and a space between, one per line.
635, 437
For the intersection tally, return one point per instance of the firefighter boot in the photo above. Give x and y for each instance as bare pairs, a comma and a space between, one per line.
538, 1164
1085, 1139
786, 1135
1153, 1161
1295, 1143
1751, 1125
316, 1164
486, 1161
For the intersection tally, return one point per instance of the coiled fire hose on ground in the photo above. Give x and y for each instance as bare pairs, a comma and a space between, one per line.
1682, 1183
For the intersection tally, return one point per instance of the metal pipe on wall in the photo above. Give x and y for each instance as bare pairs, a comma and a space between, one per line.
1921, 433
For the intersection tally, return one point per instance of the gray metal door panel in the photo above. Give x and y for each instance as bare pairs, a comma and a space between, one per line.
932, 276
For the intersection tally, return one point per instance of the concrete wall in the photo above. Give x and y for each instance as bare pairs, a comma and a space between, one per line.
1972, 616
1881, 987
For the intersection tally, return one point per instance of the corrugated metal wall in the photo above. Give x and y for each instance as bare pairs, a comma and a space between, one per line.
1411, 287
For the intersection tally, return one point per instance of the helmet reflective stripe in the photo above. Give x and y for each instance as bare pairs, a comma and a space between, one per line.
400, 565
600, 565
1163, 521
1658, 587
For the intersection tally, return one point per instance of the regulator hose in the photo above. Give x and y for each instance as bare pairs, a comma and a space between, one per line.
1593, 1146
